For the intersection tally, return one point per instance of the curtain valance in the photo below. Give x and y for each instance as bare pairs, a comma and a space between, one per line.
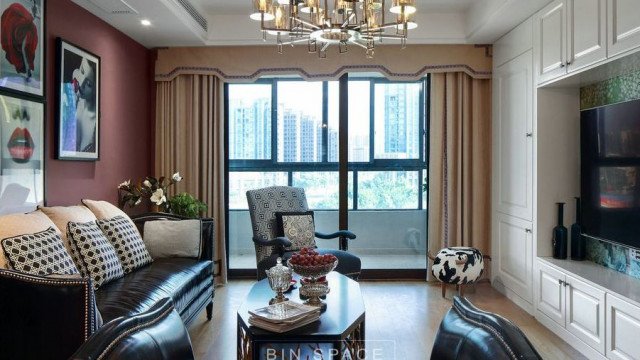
248, 63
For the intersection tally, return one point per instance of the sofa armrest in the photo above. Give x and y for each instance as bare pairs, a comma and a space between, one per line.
207, 230
33, 309
157, 333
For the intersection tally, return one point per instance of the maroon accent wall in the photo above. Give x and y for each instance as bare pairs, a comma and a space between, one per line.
125, 108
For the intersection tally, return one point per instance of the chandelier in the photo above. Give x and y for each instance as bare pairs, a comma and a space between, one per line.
361, 23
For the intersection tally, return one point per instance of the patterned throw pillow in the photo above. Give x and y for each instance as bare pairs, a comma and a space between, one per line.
41, 253
95, 256
298, 227
126, 240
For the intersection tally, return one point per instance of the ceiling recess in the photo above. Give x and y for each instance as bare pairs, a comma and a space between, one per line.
116, 7
195, 15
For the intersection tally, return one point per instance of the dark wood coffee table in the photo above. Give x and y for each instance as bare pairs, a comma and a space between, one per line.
340, 329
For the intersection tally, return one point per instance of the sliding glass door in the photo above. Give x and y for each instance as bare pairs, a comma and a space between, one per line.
287, 132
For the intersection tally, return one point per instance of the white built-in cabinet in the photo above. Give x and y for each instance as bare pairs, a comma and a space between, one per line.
569, 35
513, 262
586, 33
587, 314
573, 304
623, 26
623, 327
513, 121
550, 39
512, 234
595, 309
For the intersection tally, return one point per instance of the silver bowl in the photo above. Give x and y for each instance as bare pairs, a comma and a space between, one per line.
313, 272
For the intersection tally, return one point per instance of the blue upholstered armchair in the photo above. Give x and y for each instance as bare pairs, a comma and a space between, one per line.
267, 207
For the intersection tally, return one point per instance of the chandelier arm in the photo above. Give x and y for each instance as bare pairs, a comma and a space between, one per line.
291, 42
325, 47
346, 23
397, 37
307, 23
358, 44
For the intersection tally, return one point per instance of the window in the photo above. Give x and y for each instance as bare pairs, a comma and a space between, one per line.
386, 141
285, 131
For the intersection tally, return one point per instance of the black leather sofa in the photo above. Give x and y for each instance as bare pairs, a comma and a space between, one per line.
188, 282
467, 332
157, 333
57, 315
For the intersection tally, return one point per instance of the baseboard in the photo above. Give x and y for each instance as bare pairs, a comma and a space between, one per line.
509, 294
568, 337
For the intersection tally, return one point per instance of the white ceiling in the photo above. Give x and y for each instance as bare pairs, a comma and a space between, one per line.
440, 21
238, 7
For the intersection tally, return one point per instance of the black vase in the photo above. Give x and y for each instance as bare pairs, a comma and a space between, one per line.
560, 236
578, 246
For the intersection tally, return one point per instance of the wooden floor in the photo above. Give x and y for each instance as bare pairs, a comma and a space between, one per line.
407, 312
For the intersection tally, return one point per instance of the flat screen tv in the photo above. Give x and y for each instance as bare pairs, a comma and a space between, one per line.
610, 173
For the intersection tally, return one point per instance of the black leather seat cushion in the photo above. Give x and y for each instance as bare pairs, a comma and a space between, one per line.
183, 280
348, 264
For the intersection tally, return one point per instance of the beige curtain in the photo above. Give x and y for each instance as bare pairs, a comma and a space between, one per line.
190, 139
460, 162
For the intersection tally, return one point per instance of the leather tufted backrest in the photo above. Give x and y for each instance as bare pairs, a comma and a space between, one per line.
263, 205
155, 334
467, 332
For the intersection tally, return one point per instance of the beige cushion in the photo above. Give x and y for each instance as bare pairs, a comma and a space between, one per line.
62, 215
103, 209
167, 238
20, 224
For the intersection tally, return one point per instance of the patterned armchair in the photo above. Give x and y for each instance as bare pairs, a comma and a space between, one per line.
264, 204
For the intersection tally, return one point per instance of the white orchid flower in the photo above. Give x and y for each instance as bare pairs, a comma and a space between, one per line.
146, 183
124, 184
176, 177
158, 197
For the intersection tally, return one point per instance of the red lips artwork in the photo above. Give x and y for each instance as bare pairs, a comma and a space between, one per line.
20, 145
19, 38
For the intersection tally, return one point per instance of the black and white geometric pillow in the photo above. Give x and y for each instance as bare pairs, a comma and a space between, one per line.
125, 238
93, 253
42, 253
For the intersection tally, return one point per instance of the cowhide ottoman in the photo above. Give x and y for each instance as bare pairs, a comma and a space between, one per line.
457, 266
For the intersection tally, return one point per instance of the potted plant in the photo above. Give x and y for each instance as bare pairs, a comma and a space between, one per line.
152, 188
185, 204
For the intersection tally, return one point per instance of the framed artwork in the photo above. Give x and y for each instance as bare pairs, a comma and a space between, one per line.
22, 160
22, 46
78, 118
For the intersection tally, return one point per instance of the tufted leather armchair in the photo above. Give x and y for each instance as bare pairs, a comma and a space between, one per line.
263, 206
34, 310
155, 334
467, 332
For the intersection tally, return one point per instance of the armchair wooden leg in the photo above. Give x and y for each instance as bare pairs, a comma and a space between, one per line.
444, 289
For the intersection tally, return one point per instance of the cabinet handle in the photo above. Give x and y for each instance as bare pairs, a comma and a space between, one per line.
568, 63
562, 65
529, 134
527, 230
560, 282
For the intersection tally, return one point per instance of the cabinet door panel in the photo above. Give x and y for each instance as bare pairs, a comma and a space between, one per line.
623, 327
515, 245
587, 33
550, 41
624, 26
551, 293
585, 313
513, 154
